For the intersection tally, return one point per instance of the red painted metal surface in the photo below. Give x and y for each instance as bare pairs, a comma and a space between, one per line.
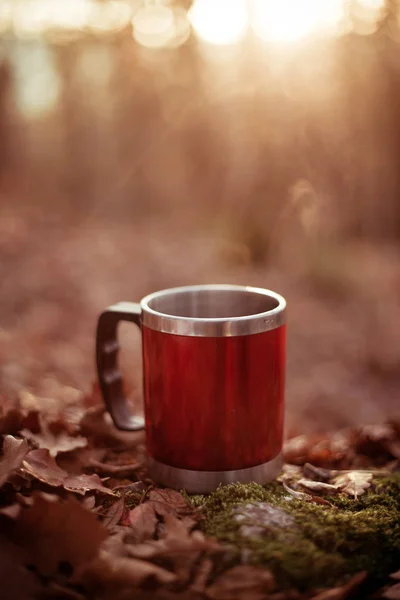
214, 404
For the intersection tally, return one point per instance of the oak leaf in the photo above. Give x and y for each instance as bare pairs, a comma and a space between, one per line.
143, 521
54, 532
40, 465
243, 582
353, 483
14, 451
17, 583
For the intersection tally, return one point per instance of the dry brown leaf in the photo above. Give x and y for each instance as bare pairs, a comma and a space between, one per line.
166, 501
202, 575
53, 532
178, 550
42, 466
296, 494
296, 450
243, 582
318, 486
316, 473
80, 484
121, 471
39, 464
343, 592
110, 573
353, 483
17, 583
55, 591
392, 593
114, 513
14, 451
55, 443
96, 424
143, 521
10, 419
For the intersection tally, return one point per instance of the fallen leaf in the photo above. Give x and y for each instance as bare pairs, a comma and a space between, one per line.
53, 532
11, 511
14, 451
243, 582
202, 575
286, 595
166, 501
354, 483
40, 465
296, 494
89, 502
55, 591
80, 484
55, 443
114, 513
17, 583
343, 592
97, 425
110, 573
392, 593
143, 521
136, 486
318, 486
116, 470
316, 473
10, 419
295, 450
76, 461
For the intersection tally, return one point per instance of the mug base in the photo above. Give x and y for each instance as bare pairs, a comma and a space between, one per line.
205, 482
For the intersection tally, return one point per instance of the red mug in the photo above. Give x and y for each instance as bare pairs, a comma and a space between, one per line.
214, 376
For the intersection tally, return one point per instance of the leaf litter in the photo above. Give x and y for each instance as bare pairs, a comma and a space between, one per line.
80, 519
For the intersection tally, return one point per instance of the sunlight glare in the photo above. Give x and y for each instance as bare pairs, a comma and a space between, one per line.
366, 16
154, 26
109, 16
36, 16
181, 26
220, 22
294, 20
371, 4
37, 83
5, 17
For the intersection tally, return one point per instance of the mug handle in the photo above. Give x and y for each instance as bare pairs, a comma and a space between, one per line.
110, 377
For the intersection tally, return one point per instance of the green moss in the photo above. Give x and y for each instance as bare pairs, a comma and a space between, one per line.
325, 545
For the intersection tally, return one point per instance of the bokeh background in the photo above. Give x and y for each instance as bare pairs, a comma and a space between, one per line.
148, 144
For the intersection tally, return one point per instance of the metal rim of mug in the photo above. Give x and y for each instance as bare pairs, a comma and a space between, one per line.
214, 327
205, 482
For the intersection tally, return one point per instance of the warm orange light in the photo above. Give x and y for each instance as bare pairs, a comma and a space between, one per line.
294, 20
153, 26
366, 15
5, 16
371, 4
33, 17
220, 22
109, 16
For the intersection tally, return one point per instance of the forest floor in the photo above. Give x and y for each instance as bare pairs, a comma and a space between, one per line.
79, 516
